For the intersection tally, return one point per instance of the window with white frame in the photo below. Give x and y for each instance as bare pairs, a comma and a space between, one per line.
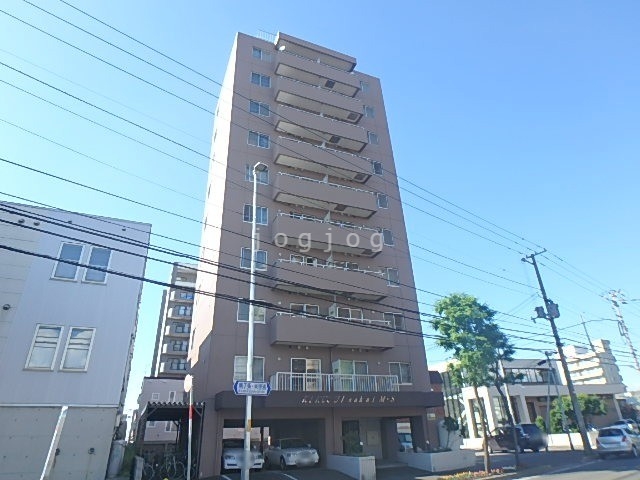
394, 320
387, 237
261, 54
393, 278
304, 308
258, 140
351, 367
369, 111
259, 79
240, 368
155, 397
402, 370
259, 312
383, 200
261, 258
78, 349
44, 347
259, 108
373, 138
377, 168
262, 214
71, 252
99, 257
364, 86
262, 176
350, 313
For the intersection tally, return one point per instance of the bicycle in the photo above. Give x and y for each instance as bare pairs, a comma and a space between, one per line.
172, 468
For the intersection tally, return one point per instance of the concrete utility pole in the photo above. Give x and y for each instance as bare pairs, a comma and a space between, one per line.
550, 312
616, 298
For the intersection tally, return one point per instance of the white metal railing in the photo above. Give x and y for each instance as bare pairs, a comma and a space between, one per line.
337, 185
332, 382
332, 150
315, 60
380, 272
320, 87
311, 218
319, 115
365, 321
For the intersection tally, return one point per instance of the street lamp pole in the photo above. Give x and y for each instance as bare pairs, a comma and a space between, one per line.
246, 464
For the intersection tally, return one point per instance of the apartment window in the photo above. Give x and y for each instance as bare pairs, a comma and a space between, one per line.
99, 257
377, 168
402, 370
71, 252
179, 346
44, 347
369, 111
78, 348
258, 140
178, 364
240, 368
262, 80
155, 397
262, 214
350, 313
261, 258
373, 138
261, 54
259, 313
364, 86
182, 327
263, 176
184, 311
383, 200
393, 279
387, 237
259, 108
304, 308
394, 320
186, 295
351, 367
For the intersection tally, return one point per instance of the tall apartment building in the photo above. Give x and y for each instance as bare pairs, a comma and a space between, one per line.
174, 324
67, 330
337, 334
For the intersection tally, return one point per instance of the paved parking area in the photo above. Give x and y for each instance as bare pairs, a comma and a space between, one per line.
291, 474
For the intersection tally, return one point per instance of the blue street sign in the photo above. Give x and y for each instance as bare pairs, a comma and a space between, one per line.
242, 387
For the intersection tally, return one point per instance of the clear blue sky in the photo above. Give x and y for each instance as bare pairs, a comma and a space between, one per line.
525, 113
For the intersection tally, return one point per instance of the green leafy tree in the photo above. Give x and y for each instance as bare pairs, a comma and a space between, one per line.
590, 406
629, 411
469, 332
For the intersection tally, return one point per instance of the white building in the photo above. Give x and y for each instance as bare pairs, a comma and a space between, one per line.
66, 338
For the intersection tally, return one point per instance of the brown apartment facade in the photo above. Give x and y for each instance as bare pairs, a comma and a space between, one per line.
337, 334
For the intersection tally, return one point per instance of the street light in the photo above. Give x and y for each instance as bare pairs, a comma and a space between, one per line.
246, 465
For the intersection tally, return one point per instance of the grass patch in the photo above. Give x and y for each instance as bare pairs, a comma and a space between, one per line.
472, 475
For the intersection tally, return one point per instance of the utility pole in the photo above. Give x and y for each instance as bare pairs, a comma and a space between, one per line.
616, 298
563, 416
516, 443
584, 325
550, 311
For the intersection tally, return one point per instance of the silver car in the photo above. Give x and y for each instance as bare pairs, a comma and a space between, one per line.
290, 452
233, 455
618, 440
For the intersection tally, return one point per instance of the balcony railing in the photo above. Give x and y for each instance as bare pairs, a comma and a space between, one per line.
361, 321
380, 272
332, 382
311, 218
337, 185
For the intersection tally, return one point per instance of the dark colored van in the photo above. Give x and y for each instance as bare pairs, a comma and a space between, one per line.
530, 437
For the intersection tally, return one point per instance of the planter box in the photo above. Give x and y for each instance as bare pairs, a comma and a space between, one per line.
360, 468
439, 461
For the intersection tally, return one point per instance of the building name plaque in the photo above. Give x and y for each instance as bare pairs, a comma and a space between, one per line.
348, 399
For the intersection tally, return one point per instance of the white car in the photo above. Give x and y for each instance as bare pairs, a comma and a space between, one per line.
233, 455
290, 452
617, 440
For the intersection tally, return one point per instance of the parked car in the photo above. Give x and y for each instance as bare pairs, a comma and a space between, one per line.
627, 423
233, 455
529, 437
618, 440
290, 452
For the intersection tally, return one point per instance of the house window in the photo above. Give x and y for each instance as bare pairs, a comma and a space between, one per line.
261, 54
304, 309
369, 111
44, 347
263, 176
240, 368
350, 313
99, 257
261, 258
262, 80
258, 140
259, 108
387, 237
394, 320
373, 138
402, 370
155, 397
78, 348
182, 327
71, 252
259, 313
262, 214
393, 279
377, 168
383, 200
364, 86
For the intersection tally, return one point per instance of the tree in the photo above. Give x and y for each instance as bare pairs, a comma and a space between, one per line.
468, 330
590, 406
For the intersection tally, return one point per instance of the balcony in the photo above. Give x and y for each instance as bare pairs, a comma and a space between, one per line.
176, 312
328, 382
172, 331
169, 349
311, 53
173, 367
291, 329
309, 192
316, 128
326, 235
330, 280
317, 100
181, 296
326, 161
